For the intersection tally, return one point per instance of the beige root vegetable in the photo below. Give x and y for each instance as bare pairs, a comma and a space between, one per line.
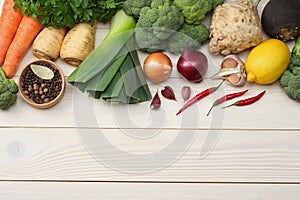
235, 26
78, 43
48, 42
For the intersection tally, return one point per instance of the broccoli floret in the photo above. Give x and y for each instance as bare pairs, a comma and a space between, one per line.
293, 93
215, 3
158, 22
148, 41
8, 91
159, 3
7, 99
285, 78
133, 7
188, 35
194, 11
296, 70
290, 79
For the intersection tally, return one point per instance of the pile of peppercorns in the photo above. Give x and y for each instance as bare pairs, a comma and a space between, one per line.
41, 90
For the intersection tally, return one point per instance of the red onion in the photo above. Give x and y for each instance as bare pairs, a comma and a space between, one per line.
192, 65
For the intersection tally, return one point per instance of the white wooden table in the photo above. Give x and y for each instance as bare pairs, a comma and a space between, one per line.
88, 149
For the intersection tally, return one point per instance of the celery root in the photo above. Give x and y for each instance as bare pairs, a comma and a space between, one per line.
235, 26
78, 43
48, 43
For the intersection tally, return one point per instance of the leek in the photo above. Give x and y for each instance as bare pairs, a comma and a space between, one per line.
112, 71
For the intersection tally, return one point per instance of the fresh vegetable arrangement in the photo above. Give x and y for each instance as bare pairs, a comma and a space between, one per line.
290, 79
112, 71
267, 61
192, 65
235, 26
247, 101
198, 97
170, 25
232, 69
8, 16
157, 67
78, 43
8, 91
42, 84
25, 35
67, 13
226, 98
194, 11
281, 19
47, 44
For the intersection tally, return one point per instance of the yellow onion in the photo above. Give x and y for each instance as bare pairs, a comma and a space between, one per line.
157, 67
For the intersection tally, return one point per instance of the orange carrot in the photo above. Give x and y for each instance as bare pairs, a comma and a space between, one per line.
25, 35
9, 23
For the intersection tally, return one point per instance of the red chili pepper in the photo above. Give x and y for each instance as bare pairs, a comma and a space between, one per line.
247, 101
225, 98
198, 97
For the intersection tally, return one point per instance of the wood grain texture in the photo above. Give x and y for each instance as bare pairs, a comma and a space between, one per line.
145, 191
120, 155
88, 149
274, 111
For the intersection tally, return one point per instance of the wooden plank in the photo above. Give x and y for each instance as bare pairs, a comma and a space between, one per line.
274, 111
78, 110
153, 155
145, 191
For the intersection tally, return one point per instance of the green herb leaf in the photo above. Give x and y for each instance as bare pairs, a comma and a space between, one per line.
66, 13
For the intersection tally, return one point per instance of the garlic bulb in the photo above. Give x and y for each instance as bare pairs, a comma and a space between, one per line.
232, 70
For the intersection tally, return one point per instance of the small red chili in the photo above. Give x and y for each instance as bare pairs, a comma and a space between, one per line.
198, 97
226, 98
247, 101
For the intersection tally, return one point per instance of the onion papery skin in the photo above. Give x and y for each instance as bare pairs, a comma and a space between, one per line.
192, 65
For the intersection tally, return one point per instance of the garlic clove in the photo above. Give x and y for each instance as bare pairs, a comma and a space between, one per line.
155, 103
236, 80
186, 92
232, 70
168, 93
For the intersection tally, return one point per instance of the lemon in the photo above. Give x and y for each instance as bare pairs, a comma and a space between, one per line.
267, 61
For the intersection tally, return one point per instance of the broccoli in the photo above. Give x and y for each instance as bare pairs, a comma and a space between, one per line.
194, 11
290, 79
133, 7
148, 42
159, 3
157, 22
8, 91
215, 3
188, 35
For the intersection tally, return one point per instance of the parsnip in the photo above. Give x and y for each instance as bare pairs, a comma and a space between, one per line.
48, 42
78, 43
235, 26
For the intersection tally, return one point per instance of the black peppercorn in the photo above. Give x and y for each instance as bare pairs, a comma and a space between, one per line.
40, 90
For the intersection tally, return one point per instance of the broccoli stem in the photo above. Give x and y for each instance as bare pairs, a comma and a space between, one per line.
296, 49
2, 74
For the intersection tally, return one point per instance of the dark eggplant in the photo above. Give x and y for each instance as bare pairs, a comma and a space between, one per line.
281, 19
